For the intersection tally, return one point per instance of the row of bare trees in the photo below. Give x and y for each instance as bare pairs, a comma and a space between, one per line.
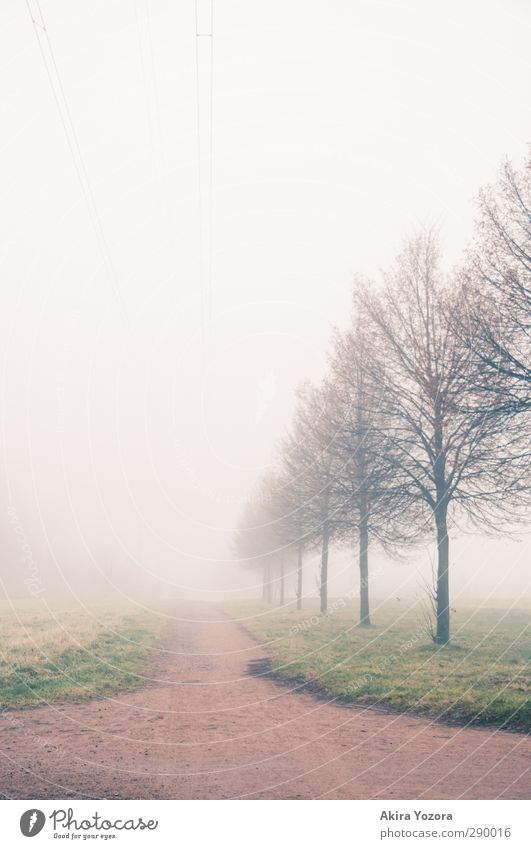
422, 419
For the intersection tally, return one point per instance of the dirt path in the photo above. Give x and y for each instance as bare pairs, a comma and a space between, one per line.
210, 726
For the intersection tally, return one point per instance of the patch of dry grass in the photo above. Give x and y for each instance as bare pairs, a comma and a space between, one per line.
50, 654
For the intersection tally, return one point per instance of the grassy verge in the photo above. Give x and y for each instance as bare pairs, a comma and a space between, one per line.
482, 677
72, 654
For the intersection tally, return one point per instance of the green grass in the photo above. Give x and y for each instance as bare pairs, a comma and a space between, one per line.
482, 677
48, 656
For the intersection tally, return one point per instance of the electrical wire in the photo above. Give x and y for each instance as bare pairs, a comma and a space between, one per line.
157, 147
204, 26
61, 101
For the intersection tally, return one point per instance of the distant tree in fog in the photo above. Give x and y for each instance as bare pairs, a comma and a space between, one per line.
254, 543
264, 538
311, 468
288, 505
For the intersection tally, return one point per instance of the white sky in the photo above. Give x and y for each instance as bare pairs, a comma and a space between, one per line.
338, 127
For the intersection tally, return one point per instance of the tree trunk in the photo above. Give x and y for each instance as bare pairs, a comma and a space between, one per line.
365, 619
264, 585
443, 588
299, 577
281, 580
268, 584
442, 634
324, 572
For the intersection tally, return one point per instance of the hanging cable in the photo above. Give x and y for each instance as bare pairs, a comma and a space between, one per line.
204, 25
58, 91
157, 146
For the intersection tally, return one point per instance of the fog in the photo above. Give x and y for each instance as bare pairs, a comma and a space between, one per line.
132, 436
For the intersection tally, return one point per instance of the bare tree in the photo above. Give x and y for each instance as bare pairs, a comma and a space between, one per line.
310, 467
452, 453
497, 288
269, 533
289, 507
368, 487
256, 538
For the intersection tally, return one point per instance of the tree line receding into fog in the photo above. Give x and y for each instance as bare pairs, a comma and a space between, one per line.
422, 419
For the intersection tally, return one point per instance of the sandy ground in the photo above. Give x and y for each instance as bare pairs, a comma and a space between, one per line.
209, 724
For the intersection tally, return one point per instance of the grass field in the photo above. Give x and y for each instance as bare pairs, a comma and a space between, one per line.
482, 677
48, 656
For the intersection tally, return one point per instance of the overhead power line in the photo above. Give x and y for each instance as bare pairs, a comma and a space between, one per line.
58, 91
145, 46
204, 43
